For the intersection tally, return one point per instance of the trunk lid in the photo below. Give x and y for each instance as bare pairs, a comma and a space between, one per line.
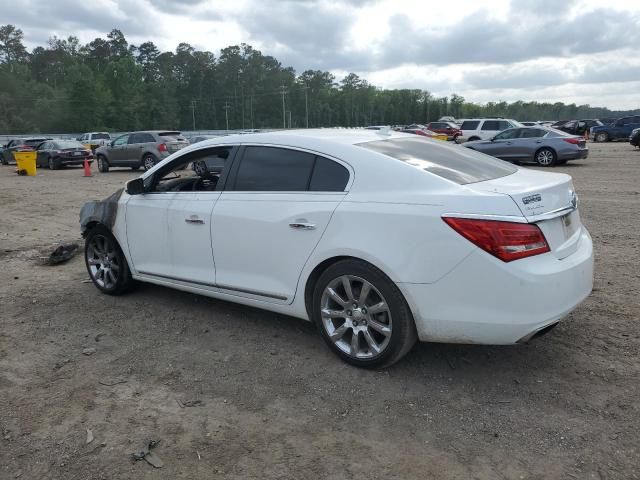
547, 199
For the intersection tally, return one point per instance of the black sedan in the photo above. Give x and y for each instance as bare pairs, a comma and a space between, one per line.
54, 154
28, 144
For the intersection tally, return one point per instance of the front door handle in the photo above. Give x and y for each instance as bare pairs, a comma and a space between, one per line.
195, 221
302, 226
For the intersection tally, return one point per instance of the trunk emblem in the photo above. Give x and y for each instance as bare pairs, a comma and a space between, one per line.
536, 197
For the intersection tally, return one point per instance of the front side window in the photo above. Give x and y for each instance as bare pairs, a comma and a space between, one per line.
508, 134
121, 140
459, 165
198, 171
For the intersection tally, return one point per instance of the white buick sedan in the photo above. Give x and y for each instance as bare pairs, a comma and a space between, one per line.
379, 238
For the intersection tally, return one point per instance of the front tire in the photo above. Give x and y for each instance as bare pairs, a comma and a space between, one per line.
545, 157
362, 315
149, 161
106, 264
53, 164
103, 165
601, 137
473, 139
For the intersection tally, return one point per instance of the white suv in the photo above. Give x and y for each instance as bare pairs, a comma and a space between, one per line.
484, 128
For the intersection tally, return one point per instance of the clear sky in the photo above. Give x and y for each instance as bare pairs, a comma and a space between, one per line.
580, 51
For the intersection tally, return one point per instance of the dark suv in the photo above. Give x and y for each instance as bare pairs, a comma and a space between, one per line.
20, 145
620, 129
139, 149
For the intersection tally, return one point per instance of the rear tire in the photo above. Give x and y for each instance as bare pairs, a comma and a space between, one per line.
105, 262
545, 157
601, 137
53, 164
135, 168
103, 164
381, 321
472, 139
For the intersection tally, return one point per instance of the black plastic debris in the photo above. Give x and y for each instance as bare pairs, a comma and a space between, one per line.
147, 455
62, 253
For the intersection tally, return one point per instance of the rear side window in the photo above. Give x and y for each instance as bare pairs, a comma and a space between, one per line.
491, 125
459, 165
271, 169
532, 133
328, 176
470, 125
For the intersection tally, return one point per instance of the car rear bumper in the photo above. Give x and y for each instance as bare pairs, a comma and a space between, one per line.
574, 154
74, 161
484, 300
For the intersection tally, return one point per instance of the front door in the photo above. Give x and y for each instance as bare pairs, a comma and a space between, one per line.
169, 228
118, 151
276, 207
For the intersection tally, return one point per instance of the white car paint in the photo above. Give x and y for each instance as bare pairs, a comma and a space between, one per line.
480, 132
389, 215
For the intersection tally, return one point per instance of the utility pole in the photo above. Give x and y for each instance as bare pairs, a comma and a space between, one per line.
289, 118
283, 91
226, 113
306, 106
193, 114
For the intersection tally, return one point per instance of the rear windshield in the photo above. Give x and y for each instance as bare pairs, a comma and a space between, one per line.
69, 144
101, 136
457, 164
169, 134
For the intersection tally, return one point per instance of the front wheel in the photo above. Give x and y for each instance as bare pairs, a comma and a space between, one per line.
149, 161
103, 165
106, 264
545, 157
53, 164
601, 137
362, 315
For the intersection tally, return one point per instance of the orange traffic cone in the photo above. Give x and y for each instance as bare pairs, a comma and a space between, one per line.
87, 168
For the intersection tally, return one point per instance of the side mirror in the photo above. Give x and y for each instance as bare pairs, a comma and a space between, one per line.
135, 186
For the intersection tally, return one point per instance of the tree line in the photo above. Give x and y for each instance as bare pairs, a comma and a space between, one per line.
110, 84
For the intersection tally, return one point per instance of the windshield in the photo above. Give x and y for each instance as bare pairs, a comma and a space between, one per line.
454, 163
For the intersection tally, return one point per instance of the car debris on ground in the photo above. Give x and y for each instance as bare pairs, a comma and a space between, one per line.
147, 455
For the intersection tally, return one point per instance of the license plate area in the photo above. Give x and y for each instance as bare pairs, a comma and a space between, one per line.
570, 224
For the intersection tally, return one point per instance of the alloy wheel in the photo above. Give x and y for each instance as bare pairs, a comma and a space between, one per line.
545, 157
149, 162
356, 317
103, 261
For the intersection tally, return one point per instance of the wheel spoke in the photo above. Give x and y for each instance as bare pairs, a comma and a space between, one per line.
364, 293
377, 308
326, 312
112, 277
380, 327
355, 343
339, 332
346, 284
94, 261
373, 345
335, 297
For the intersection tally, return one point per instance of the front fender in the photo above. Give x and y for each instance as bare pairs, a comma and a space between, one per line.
102, 211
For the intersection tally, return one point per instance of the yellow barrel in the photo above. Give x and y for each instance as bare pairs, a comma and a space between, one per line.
26, 162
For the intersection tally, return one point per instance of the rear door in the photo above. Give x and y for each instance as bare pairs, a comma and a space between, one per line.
274, 210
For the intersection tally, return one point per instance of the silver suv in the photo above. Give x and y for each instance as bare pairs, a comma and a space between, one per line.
139, 149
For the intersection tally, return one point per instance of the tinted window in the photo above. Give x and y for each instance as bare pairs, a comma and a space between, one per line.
459, 165
470, 125
101, 136
328, 176
507, 134
491, 125
274, 169
69, 144
532, 133
141, 138
121, 140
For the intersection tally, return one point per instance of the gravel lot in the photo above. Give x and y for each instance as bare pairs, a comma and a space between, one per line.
268, 398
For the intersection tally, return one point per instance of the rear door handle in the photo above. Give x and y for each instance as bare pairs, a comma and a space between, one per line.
302, 226
195, 221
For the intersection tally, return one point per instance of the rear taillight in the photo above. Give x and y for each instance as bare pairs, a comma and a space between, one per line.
162, 147
572, 141
506, 240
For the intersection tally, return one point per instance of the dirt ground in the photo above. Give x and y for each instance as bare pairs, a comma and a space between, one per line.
268, 399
